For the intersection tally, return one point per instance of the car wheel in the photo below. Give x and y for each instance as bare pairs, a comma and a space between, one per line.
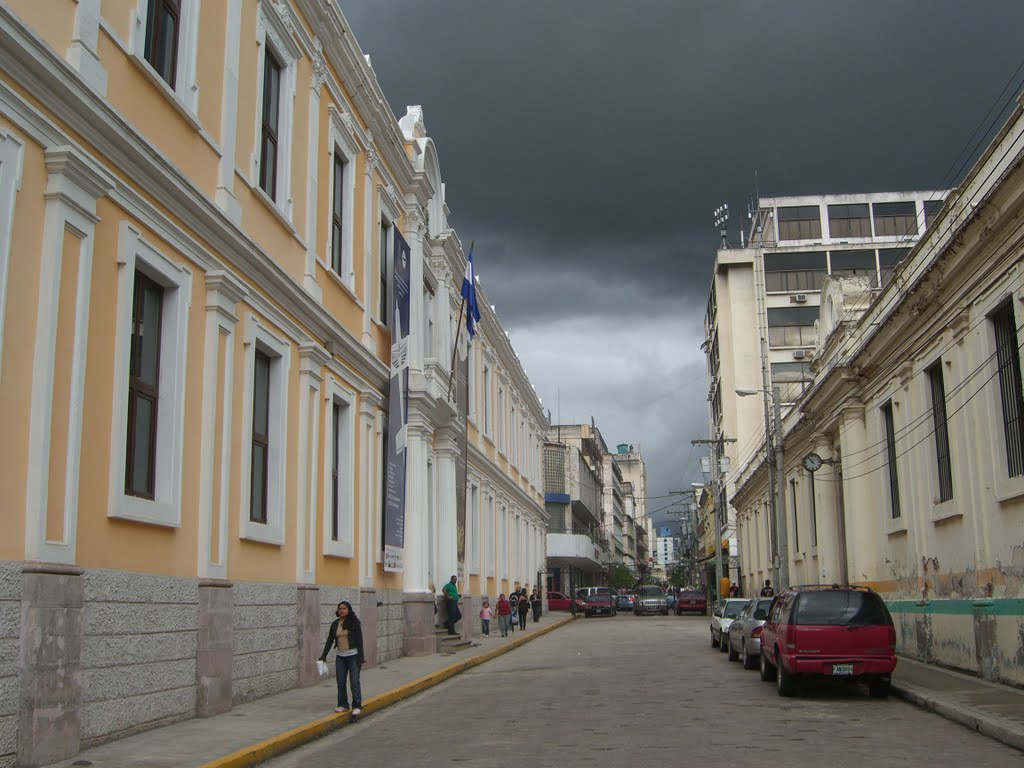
879, 689
749, 662
767, 670
714, 642
785, 683
733, 653
723, 642
587, 615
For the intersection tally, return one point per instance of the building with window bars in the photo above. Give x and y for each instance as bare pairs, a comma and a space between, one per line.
201, 223
904, 457
774, 284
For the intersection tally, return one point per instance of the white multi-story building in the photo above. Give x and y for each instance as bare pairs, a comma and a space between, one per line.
665, 551
773, 286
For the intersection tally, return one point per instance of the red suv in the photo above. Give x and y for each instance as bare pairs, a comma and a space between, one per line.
832, 631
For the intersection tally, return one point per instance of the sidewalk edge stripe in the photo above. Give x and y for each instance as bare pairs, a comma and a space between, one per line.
303, 734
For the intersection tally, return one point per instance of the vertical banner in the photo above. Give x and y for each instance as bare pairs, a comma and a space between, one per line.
462, 408
398, 411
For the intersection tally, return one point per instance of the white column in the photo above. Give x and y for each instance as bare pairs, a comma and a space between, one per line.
319, 76
861, 515
446, 450
415, 237
225, 194
416, 540
223, 292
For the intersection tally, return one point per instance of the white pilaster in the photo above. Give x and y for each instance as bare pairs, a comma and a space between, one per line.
225, 194
73, 186
369, 498
223, 292
316, 84
369, 239
83, 52
312, 359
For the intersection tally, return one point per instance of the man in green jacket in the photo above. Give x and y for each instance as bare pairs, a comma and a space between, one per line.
451, 600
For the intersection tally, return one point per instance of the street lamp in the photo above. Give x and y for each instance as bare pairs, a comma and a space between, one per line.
779, 495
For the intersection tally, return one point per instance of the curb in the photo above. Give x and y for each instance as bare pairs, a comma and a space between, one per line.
303, 734
966, 716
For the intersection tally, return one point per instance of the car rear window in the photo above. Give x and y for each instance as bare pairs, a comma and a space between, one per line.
761, 609
651, 592
732, 609
841, 607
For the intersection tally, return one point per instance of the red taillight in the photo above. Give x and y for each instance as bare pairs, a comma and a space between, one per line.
756, 632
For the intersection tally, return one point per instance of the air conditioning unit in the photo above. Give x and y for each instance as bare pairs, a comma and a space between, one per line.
799, 354
800, 298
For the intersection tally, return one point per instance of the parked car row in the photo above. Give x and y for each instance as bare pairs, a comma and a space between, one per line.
832, 631
647, 599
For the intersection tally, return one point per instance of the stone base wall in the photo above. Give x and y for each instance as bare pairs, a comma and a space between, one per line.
389, 624
329, 599
10, 629
266, 640
104, 654
983, 637
138, 653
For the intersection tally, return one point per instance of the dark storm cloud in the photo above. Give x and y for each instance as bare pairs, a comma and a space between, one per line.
584, 145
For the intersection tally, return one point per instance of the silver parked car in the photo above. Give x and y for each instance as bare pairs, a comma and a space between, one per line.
744, 636
650, 599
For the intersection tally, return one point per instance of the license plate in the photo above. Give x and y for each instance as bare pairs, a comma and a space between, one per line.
842, 669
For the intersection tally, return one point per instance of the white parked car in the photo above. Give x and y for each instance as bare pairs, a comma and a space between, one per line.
721, 619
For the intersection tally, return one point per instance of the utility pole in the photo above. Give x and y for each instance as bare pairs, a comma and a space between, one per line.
719, 491
781, 521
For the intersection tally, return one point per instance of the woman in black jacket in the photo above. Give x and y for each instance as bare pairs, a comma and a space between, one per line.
523, 607
346, 635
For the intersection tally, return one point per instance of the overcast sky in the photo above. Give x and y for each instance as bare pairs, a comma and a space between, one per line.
585, 144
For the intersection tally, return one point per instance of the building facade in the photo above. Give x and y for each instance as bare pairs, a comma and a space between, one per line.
634, 472
210, 217
774, 284
903, 463
576, 543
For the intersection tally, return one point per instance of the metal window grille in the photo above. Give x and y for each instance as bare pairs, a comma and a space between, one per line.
1008, 361
890, 453
942, 457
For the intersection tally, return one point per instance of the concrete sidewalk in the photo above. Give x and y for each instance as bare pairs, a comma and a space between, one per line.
252, 733
997, 711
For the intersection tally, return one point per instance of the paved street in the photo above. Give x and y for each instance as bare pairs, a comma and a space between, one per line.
628, 691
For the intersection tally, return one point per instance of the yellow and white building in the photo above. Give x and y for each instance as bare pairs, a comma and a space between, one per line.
198, 208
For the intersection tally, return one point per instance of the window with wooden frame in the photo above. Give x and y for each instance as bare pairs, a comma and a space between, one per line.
271, 115
143, 388
260, 438
163, 24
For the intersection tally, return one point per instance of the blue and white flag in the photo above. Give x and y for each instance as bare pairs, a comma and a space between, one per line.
469, 294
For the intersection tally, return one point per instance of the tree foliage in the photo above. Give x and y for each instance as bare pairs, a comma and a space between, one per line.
620, 576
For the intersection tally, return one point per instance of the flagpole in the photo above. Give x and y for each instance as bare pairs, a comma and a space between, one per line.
458, 333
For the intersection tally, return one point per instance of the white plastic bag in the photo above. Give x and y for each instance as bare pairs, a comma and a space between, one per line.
321, 668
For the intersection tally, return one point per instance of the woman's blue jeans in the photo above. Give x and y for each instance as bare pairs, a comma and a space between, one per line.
348, 666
